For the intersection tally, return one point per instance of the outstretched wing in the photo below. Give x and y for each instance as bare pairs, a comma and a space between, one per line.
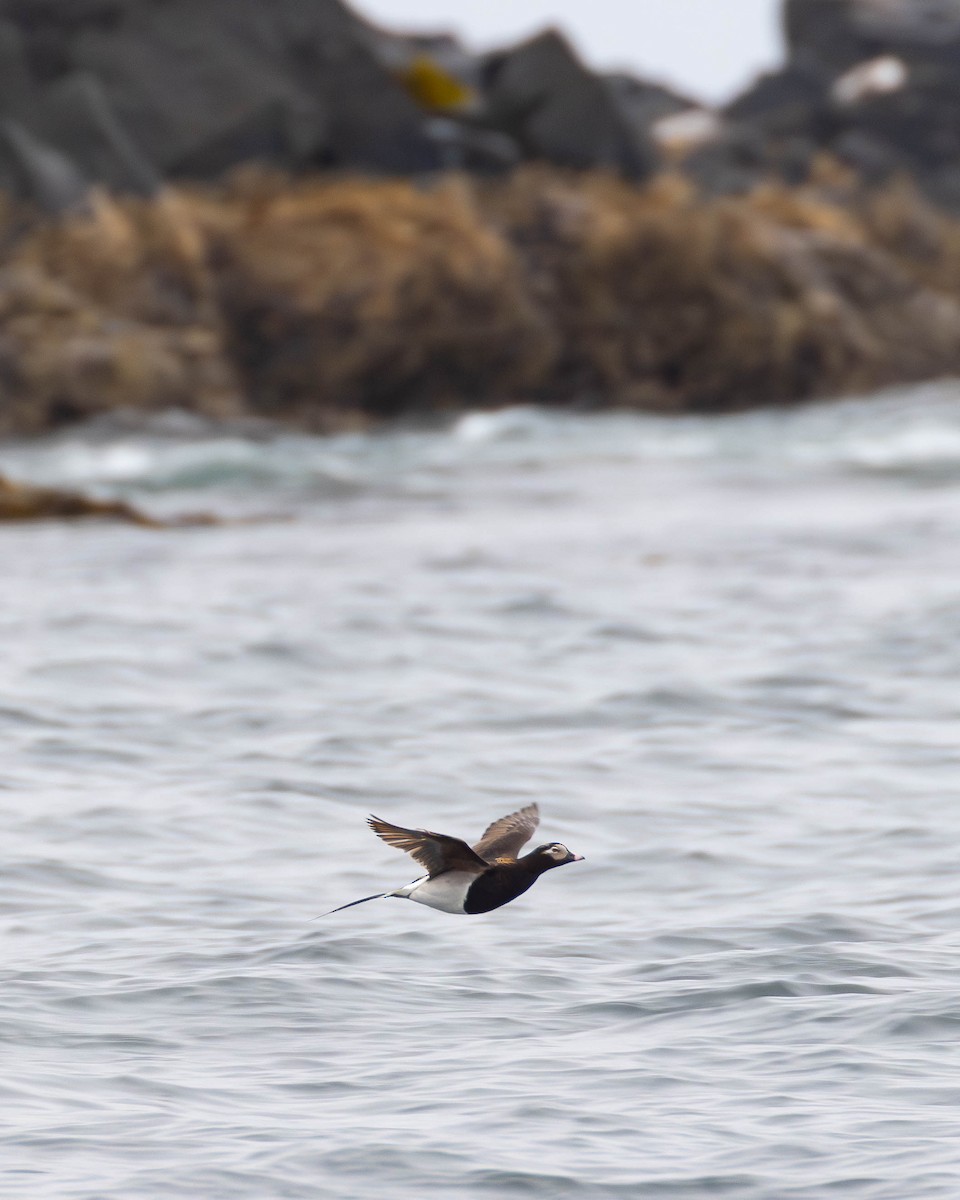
505, 838
435, 852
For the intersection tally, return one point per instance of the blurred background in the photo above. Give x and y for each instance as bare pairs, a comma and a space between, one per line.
427, 413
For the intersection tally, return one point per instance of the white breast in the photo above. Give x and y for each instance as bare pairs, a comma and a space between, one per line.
446, 892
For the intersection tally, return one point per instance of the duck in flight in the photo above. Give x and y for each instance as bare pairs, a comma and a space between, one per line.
464, 879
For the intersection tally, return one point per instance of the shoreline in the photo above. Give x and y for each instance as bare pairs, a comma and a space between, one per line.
336, 303
229, 473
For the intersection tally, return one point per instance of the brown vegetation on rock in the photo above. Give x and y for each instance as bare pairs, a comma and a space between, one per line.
923, 239
332, 302
110, 310
29, 502
373, 297
26, 502
668, 300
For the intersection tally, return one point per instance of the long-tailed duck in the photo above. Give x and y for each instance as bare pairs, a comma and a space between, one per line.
461, 879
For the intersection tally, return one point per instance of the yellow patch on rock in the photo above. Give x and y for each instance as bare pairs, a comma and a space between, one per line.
433, 88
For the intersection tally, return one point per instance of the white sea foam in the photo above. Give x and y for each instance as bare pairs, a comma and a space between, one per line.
907, 430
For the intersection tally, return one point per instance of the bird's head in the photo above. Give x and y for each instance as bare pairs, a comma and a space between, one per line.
553, 854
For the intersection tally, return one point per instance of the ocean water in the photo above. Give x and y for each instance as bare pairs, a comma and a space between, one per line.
722, 654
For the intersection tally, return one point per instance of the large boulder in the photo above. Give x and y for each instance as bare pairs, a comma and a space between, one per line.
872, 82
373, 123
924, 129
50, 27
916, 29
75, 117
875, 159
295, 80
177, 75
136, 91
18, 92
824, 34
644, 103
71, 116
266, 134
911, 112
839, 33
790, 101
542, 95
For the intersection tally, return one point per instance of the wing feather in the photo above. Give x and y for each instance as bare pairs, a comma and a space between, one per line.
505, 838
435, 852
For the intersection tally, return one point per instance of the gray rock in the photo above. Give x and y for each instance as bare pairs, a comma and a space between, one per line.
943, 187
644, 103
294, 79
926, 131
39, 174
363, 118
265, 135
827, 93
743, 156
839, 33
933, 79
177, 73
373, 123
823, 34
463, 147
783, 102
49, 28
18, 91
542, 96
873, 158
71, 13
731, 164
791, 158
75, 117
919, 28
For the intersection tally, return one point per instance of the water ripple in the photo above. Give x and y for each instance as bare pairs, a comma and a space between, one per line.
721, 654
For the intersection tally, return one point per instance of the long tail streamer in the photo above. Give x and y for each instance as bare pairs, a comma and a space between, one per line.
378, 896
